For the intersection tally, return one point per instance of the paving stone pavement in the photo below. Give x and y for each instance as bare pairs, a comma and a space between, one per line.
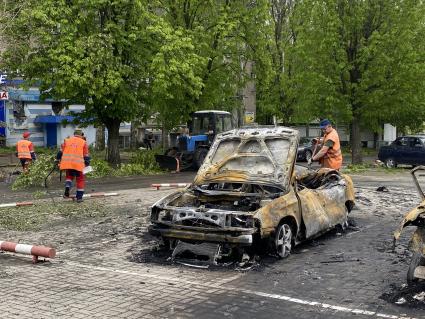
98, 278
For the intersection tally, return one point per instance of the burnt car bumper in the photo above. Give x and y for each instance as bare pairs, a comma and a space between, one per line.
244, 237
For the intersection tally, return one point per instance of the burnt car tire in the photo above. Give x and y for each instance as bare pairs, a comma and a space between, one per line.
390, 162
417, 260
167, 244
283, 240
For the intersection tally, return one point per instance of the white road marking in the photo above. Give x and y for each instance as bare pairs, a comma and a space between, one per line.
246, 291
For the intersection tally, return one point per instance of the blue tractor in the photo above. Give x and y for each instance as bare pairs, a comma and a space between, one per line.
190, 149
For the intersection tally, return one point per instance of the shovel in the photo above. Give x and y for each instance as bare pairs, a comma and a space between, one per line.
50, 173
52, 195
312, 155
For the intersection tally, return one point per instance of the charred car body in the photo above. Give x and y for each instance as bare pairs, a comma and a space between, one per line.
249, 194
416, 217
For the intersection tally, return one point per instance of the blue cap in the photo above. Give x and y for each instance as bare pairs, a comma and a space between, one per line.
324, 123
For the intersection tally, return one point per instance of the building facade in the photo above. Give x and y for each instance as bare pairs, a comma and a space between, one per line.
25, 111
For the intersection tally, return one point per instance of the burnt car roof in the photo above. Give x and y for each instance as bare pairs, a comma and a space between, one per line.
251, 155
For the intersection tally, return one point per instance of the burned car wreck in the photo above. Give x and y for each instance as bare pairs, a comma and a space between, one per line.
416, 217
248, 195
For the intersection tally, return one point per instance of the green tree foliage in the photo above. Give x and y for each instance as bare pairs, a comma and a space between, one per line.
274, 61
361, 62
88, 52
127, 59
113, 56
225, 35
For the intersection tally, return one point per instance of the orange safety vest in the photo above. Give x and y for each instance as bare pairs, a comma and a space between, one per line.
73, 154
23, 148
333, 157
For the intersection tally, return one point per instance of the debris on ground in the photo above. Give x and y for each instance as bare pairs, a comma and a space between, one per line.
37, 216
420, 296
378, 163
382, 189
412, 296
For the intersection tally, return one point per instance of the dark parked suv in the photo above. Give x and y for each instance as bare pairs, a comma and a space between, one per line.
408, 150
305, 149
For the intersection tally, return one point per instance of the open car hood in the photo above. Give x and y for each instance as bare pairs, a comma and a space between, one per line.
264, 155
410, 217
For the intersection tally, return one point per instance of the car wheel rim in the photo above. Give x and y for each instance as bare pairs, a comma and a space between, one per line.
390, 163
284, 241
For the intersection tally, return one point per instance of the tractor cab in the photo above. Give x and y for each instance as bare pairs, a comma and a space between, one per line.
205, 125
190, 149
210, 122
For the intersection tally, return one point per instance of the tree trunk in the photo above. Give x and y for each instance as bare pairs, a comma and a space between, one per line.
356, 147
113, 157
100, 138
133, 135
165, 144
375, 140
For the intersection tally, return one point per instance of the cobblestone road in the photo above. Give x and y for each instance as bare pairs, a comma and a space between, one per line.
95, 276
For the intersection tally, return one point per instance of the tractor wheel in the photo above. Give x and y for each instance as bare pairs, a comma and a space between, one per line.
199, 157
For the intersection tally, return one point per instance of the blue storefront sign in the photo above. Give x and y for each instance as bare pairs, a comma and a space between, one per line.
24, 95
2, 118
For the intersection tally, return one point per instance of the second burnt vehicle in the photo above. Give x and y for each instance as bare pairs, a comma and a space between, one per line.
249, 195
416, 218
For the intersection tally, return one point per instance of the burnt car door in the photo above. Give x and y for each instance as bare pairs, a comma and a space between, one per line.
323, 199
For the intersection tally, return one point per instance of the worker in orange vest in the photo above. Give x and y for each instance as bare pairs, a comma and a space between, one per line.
25, 151
329, 155
73, 157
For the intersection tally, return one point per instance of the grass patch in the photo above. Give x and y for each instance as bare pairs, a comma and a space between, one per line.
8, 150
33, 218
140, 163
366, 151
38, 150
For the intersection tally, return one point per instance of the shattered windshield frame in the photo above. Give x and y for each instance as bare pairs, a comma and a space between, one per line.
258, 157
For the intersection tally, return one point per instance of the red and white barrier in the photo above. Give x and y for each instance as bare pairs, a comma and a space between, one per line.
99, 195
35, 251
157, 186
95, 195
16, 204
